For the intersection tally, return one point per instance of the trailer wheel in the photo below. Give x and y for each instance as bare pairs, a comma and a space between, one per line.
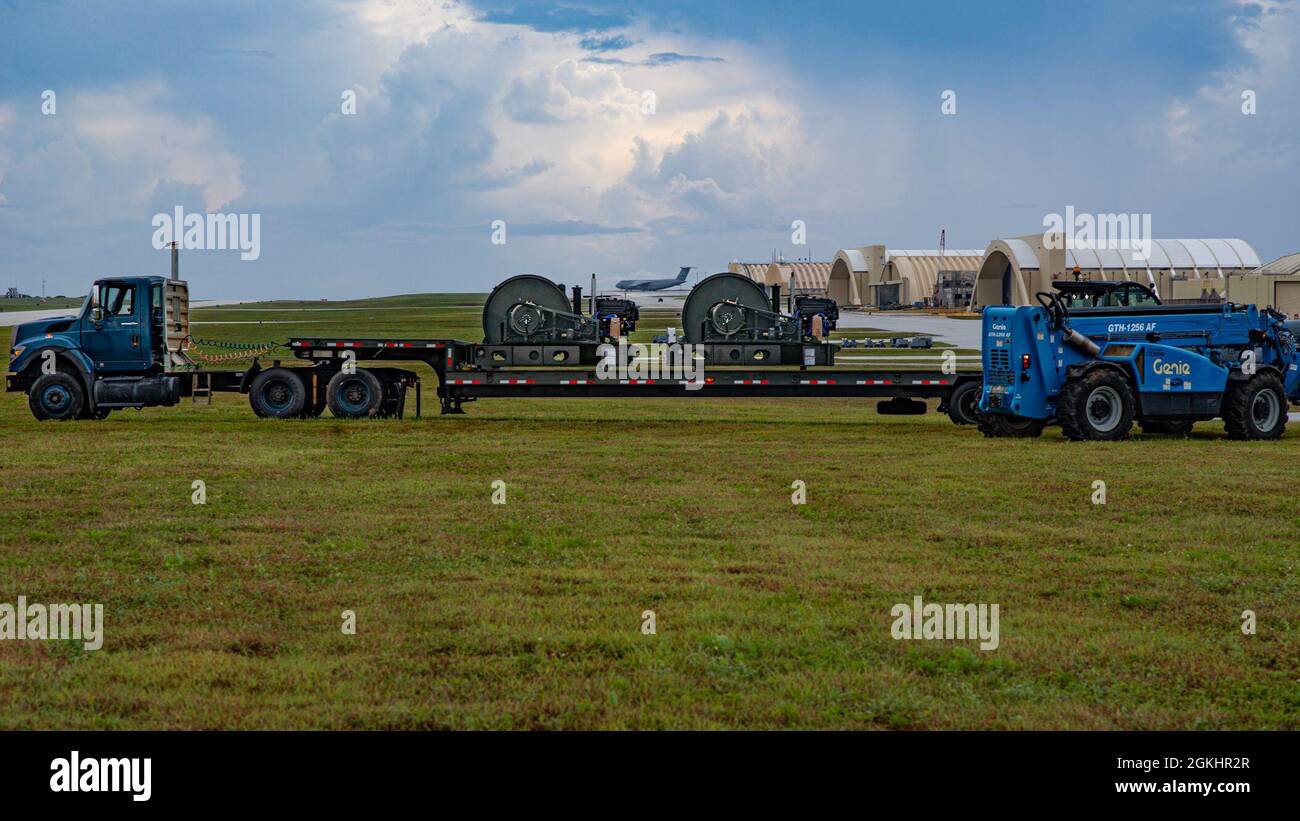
1096, 406
1005, 425
277, 394
355, 395
1256, 408
1171, 427
963, 404
56, 396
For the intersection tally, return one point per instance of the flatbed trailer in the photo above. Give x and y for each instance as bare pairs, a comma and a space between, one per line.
462, 378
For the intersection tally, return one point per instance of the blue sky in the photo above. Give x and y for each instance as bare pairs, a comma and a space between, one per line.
536, 114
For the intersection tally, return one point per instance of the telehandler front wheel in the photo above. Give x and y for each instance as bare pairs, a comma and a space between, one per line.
1256, 408
1097, 406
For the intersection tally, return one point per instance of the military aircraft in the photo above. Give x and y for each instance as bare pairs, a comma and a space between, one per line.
654, 284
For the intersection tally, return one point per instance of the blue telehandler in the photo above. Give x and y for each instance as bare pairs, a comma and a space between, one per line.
1097, 357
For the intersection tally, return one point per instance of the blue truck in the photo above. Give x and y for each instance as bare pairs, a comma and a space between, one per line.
1097, 357
130, 347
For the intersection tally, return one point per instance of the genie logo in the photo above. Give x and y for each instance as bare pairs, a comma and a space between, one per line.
1163, 368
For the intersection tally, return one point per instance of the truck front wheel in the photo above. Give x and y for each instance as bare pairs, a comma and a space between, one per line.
56, 396
1256, 408
277, 394
1096, 406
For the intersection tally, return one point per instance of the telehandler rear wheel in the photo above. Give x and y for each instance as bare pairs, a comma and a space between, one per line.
1002, 425
1256, 408
962, 404
1096, 406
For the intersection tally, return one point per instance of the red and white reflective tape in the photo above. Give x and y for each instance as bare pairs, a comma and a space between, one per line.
874, 382
750, 382
344, 345
816, 381
575, 382
465, 382
929, 381
636, 382
517, 382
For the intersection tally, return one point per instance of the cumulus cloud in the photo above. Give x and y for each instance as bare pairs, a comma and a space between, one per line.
1212, 124
570, 92
104, 154
733, 171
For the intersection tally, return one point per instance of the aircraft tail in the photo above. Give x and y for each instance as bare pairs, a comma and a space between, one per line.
685, 272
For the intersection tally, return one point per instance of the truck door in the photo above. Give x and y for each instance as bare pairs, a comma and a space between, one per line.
112, 332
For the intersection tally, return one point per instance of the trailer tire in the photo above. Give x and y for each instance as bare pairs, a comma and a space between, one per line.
1168, 427
963, 404
1097, 406
355, 395
277, 394
1255, 408
1003, 425
56, 396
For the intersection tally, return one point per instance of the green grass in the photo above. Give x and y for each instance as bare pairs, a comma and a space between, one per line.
35, 303
527, 615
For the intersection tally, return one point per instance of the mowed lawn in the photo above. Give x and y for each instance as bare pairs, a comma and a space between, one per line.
529, 614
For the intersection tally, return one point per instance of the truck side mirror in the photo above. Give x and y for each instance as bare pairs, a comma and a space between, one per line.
96, 312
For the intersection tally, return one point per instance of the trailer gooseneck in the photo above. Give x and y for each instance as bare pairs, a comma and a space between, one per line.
130, 347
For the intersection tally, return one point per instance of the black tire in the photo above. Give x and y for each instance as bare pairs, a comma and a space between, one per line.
355, 395
1008, 426
1097, 406
1167, 427
56, 396
1255, 408
277, 394
962, 404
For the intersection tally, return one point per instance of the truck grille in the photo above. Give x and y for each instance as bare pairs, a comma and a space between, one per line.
1000, 372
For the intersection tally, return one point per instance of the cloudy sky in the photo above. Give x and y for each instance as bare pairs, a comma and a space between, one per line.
624, 138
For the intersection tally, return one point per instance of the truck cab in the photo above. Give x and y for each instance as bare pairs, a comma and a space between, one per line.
117, 352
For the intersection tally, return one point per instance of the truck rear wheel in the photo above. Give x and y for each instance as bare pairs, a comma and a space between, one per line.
962, 405
1005, 425
56, 396
354, 395
1256, 408
1097, 406
277, 394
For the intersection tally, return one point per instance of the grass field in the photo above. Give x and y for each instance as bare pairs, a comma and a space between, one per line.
528, 614
32, 303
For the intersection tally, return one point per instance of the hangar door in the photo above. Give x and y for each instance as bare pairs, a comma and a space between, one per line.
886, 294
1287, 298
